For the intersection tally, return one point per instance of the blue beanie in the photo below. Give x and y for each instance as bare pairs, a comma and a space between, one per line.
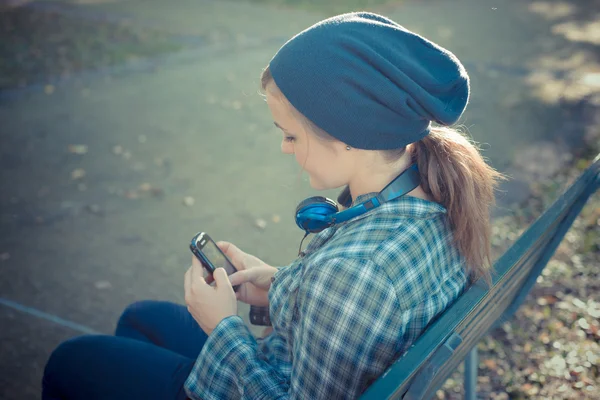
369, 82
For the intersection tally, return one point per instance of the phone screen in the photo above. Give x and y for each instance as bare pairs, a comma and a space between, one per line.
216, 257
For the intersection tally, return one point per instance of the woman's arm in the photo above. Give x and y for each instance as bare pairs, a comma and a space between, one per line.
348, 332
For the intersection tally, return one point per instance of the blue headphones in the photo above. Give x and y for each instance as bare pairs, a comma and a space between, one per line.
318, 213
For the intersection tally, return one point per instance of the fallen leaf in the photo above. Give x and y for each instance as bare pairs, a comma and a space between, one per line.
103, 285
94, 209
77, 174
491, 364
157, 192
188, 201
583, 324
131, 194
78, 149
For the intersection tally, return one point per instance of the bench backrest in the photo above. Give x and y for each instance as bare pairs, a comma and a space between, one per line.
437, 353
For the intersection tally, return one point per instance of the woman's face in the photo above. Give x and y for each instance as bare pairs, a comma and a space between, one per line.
326, 163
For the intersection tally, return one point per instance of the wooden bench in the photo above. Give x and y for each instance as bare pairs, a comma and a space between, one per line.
453, 336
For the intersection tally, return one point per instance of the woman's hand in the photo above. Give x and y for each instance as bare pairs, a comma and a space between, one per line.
253, 276
209, 305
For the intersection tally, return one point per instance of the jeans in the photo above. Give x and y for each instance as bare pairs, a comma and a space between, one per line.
155, 346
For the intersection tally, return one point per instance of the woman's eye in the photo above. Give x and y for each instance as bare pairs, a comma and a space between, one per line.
290, 138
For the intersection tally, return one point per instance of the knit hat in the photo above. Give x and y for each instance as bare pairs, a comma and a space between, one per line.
370, 82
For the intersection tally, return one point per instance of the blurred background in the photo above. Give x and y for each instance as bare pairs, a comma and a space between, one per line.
127, 126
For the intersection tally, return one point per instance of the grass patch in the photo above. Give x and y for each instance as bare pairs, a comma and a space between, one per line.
36, 45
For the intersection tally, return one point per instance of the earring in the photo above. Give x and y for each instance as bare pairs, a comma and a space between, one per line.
348, 147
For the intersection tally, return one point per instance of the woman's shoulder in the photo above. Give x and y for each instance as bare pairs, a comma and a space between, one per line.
392, 235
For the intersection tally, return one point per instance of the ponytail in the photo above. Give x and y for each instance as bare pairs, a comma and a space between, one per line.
456, 176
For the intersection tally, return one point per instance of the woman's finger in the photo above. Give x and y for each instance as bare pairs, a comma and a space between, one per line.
187, 284
237, 278
221, 278
197, 277
195, 260
231, 251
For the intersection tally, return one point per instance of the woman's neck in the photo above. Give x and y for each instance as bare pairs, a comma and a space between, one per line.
370, 180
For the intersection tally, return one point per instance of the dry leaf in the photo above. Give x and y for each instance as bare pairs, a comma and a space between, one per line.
102, 285
77, 174
491, 364
78, 149
131, 194
188, 201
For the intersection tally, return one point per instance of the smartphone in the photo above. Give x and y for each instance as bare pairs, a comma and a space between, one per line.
211, 257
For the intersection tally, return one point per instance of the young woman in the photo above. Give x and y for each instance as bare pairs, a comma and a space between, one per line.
355, 97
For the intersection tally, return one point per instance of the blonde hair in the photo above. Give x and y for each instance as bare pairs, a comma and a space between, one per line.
455, 175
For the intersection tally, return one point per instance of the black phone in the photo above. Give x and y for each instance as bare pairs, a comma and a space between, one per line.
209, 254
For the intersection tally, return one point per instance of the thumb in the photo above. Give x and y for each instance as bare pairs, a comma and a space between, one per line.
220, 276
226, 247
229, 249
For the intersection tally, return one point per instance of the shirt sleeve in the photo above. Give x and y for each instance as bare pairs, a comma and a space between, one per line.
231, 365
349, 329
347, 333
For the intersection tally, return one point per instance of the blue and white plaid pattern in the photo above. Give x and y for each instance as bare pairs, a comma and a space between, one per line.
359, 297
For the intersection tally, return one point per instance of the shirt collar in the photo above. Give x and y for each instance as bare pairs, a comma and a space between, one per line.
363, 197
406, 205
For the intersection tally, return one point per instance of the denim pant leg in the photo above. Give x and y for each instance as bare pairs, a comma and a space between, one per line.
165, 324
156, 346
107, 367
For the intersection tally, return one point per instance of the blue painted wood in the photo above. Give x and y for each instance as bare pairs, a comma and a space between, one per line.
442, 354
480, 308
471, 368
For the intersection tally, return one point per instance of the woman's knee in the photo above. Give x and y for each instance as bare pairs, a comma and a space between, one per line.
67, 361
72, 350
140, 316
136, 312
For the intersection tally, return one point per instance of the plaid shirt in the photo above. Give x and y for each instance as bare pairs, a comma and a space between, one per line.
343, 312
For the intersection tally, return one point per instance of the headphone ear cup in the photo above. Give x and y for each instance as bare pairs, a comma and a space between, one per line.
314, 214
